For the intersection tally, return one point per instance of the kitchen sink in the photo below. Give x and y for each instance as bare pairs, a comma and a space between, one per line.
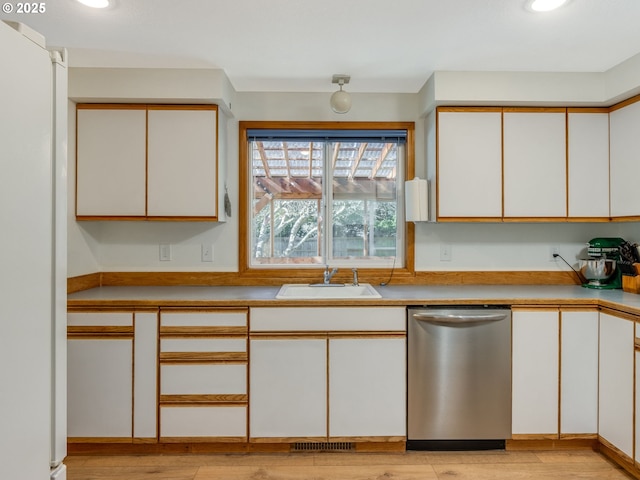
302, 291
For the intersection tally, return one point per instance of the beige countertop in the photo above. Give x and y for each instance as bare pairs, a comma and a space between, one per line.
218, 296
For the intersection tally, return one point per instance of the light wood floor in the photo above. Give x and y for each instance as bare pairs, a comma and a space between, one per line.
492, 465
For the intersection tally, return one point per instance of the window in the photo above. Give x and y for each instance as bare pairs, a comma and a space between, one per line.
317, 195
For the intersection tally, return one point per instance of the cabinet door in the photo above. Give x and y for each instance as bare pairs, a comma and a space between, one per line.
535, 165
637, 405
99, 387
469, 164
288, 385
182, 162
145, 375
615, 424
579, 372
110, 162
367, 385
535, 373
624, 165
588, 165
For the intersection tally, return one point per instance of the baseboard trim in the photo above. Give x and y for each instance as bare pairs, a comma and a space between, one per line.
552, 444
619, 458
212, 448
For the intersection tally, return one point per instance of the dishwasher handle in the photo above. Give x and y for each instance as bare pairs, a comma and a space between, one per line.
454, 319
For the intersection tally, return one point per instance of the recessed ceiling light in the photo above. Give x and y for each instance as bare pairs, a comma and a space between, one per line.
545, 5
95, 3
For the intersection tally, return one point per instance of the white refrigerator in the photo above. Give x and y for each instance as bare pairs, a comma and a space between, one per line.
33, 156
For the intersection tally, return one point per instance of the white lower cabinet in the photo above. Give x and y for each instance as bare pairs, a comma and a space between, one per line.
145, 375
367, 387
535, 362
555, 373
637, 405
288, 388
203, 375
616, 409
579, 372
309, 384
203, 421
99, 388
99, 375
112, 378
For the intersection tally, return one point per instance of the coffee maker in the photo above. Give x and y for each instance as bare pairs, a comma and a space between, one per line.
601, 269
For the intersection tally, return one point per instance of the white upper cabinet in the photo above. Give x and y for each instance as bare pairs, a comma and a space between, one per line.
588, 162
182, 162
624, 161
469, 163
147, 161
535, 166
111, 166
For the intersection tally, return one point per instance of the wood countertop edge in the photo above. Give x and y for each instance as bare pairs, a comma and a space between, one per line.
402, 302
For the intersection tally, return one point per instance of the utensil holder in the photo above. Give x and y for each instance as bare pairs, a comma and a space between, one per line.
631, 284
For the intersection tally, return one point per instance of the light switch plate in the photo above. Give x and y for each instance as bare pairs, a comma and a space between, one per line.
165, 252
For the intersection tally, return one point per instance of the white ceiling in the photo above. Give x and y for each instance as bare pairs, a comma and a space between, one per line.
385, 45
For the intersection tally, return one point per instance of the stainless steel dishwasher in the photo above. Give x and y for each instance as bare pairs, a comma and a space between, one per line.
459, 378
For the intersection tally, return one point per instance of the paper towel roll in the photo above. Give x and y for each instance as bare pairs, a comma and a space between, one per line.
416, 200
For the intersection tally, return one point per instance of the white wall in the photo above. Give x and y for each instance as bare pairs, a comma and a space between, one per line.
133, 246
510, 246
532, 88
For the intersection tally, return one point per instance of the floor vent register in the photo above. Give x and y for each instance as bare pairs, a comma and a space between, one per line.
323, 447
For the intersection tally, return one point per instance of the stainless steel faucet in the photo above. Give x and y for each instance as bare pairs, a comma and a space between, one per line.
329, 274
355, 276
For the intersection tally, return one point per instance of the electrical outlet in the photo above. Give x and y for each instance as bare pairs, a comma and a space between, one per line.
445, 252
165, 252
553, 251
206, 253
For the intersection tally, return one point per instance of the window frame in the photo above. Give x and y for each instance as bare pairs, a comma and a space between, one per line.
308, 273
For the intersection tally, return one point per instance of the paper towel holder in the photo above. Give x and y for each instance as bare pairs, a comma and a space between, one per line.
416, 200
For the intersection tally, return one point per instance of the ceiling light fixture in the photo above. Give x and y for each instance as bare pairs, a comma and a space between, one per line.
545, 5
95, 3
340, 101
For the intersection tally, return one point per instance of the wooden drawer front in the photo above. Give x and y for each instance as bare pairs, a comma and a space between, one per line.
181, 379
203, 319
171, 345
203, 421
328, 319
120, 319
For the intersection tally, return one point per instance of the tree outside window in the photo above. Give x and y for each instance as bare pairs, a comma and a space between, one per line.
326, 196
